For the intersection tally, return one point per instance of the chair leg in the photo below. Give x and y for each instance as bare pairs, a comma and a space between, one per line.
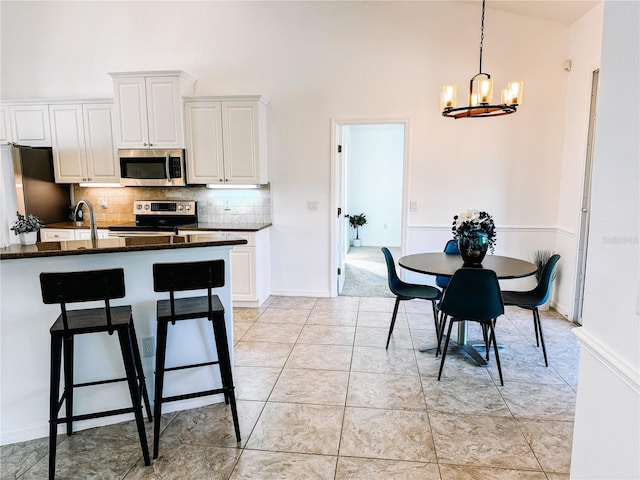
68, 381
435, 318
161, 347
141, 379
442, 322
535, 326
126, 347
393, 320
495, 350
54, 398
222, 347
446, 345
487, 343
538, 325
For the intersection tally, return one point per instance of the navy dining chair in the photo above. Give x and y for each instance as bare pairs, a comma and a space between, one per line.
450, 247
533, 299
474, 295
408, 291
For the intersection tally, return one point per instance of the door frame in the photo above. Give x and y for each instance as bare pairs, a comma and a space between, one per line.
585, 210
336, 134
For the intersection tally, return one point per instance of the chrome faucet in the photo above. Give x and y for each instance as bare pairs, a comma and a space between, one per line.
92, 217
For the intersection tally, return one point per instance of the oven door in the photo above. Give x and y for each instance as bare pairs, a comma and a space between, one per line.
152, 168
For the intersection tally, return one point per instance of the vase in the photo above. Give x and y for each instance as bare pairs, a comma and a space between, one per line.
28, 238
473, 247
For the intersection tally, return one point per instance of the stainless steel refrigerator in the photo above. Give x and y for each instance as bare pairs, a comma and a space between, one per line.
36, 190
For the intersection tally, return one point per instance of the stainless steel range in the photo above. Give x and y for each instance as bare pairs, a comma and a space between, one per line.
157, 217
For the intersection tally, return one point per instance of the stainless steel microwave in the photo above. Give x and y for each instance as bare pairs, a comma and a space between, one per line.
152, 168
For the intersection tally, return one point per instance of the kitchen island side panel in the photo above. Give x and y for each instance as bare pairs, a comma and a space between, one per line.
25, 341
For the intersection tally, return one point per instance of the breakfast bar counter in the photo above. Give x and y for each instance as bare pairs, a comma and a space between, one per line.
25, 323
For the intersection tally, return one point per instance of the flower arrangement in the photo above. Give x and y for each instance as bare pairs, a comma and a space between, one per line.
28, 224
474, 221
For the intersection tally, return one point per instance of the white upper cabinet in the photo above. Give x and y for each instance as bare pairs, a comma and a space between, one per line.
204, 142
30, 125
149, 108
83, 143
226, 140
5, 126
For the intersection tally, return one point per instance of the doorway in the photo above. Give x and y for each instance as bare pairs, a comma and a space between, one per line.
368, 178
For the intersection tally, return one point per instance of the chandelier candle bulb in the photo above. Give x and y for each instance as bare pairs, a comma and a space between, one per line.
485, 91
448, 96
515, 92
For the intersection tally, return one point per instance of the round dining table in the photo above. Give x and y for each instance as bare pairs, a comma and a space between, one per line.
445, 265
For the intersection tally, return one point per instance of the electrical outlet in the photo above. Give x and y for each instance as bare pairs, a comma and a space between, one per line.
103, 202
312, 205
148, 347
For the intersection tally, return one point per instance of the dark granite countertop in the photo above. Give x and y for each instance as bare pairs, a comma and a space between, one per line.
229, 227
116, 245
76, 225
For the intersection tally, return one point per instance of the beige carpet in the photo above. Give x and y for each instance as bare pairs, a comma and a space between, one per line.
366, 272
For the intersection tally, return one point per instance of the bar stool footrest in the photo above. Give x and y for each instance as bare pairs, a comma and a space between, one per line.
194, 365
88, 416
203, 393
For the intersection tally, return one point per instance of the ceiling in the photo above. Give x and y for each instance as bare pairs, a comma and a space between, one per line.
561, 11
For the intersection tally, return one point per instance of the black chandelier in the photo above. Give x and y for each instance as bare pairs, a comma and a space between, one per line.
480, 93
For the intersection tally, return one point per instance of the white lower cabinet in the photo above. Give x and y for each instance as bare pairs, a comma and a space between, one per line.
250, 267
62, 234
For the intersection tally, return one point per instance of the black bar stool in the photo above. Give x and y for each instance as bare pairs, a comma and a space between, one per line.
175, 277
87, 286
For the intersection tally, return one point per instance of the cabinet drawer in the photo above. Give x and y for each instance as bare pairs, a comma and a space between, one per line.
56, 235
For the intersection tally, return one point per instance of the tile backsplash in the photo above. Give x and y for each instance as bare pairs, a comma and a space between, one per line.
241, 206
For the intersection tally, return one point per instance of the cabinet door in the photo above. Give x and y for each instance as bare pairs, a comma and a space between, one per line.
164, 109
30, 125
85, 234
204, 142
243, 273
240, 141
67, 135
102, 159
5, 126
131, 112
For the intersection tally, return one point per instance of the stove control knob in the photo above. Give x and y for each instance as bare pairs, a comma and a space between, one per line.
146, 207
188, 207
139, 206
180, 207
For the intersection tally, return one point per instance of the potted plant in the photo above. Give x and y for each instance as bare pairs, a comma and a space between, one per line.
357, 221
27, 228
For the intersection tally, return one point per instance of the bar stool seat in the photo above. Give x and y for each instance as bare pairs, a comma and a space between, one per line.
75, 287
176, 277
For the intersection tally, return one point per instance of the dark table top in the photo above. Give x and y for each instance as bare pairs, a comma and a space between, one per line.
445, 264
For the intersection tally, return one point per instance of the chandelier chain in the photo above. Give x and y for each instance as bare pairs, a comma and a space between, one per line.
481, 36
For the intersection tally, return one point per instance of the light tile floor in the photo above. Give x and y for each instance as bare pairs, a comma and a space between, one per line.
319, 397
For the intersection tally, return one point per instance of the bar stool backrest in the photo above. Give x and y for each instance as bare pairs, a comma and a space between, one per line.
84, 286
176, 277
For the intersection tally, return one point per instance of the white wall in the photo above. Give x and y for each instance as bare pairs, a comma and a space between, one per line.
318, 61
374, 155
606, 438
585, 46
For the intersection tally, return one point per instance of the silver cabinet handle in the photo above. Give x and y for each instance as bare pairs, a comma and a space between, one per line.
167, 159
